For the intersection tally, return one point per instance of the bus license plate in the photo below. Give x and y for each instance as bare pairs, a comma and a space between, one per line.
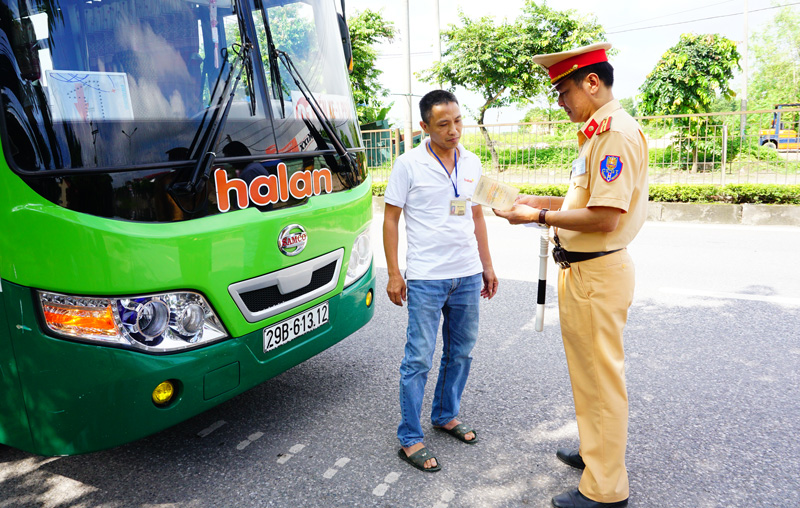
289, 329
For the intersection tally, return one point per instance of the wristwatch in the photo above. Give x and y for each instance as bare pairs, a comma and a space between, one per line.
542, 215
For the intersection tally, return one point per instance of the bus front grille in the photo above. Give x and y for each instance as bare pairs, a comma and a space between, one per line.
268, 295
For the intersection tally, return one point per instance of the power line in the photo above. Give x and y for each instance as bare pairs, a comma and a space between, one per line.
702, 19
673, 14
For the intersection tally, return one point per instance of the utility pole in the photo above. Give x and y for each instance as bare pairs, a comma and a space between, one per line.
437, 47
406, 29
745, 71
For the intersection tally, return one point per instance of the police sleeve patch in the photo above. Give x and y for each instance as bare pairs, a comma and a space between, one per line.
610, 168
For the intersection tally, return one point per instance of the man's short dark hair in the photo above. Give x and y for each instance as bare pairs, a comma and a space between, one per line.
604, 71
433, 98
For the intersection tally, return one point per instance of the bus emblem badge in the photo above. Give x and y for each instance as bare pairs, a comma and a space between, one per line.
292, 240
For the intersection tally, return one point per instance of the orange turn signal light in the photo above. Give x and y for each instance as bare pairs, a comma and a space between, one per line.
75, 320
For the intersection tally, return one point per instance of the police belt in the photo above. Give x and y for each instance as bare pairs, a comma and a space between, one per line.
564, 258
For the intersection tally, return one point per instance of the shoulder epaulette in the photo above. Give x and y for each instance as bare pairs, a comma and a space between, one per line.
604, 126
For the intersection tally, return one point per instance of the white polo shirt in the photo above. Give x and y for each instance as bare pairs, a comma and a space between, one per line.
440, 245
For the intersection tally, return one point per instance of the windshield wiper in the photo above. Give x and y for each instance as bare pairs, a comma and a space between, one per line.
199, 176
274, 72
335, 140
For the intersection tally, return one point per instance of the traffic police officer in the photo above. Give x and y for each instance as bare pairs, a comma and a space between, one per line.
603, 210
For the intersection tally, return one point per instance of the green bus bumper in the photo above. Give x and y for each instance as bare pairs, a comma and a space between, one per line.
80, 398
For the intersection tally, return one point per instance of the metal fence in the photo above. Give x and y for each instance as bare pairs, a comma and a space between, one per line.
714, 148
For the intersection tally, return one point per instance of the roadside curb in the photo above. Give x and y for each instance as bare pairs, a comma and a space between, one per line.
747, 214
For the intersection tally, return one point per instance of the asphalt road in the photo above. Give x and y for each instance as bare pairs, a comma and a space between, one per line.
713, 372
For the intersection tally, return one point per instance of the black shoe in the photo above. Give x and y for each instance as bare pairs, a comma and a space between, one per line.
570, 458
574, 499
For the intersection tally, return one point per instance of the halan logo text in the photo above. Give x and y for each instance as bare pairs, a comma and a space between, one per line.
268, 189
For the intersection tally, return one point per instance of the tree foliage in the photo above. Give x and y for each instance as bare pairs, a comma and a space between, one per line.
689, 76
495, 59
367, 28
629, 105
688, 79
541, 115
776, 62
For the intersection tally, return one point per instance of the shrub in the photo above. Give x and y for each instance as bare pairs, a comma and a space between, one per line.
543, 189
378, 188
733, 193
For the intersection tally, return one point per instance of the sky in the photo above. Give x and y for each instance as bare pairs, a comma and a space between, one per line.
640, 31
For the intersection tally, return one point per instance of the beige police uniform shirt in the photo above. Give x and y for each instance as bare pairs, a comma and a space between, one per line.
611, 170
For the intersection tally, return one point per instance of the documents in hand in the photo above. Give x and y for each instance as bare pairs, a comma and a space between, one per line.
494, 194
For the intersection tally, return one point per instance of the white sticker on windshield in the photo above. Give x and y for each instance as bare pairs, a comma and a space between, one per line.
83, 96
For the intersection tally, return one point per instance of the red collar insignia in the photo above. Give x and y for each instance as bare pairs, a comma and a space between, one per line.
590, 129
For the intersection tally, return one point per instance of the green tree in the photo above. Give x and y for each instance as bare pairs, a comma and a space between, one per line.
688, 79
366, 29
544, 117
495, 60
629, 105
776, 62
539, 114
690, 75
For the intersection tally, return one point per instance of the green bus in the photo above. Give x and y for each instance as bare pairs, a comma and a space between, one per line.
185, 209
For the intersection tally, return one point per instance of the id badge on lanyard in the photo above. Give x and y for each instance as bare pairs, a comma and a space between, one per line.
458, 206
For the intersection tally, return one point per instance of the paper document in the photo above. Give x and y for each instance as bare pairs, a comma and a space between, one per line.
494, 194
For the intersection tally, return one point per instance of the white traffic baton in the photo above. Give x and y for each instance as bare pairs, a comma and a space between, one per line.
544, 245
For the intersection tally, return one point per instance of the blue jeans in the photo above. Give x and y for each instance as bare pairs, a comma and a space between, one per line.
457, 300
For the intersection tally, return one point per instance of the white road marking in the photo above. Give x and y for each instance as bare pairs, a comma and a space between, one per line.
250, 439
447, 496
391, 477
294, 450
336, 467
733, 296
205, 432
381, 489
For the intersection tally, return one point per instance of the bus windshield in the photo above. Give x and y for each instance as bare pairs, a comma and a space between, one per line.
111, 84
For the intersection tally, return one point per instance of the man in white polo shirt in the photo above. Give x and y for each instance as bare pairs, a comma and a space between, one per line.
448, 269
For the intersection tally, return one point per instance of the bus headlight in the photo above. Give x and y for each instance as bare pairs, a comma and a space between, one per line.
360, 258
162, 322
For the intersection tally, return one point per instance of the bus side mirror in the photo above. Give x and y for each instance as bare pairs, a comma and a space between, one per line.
346, 45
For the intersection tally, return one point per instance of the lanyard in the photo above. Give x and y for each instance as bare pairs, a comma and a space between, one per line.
455, 168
